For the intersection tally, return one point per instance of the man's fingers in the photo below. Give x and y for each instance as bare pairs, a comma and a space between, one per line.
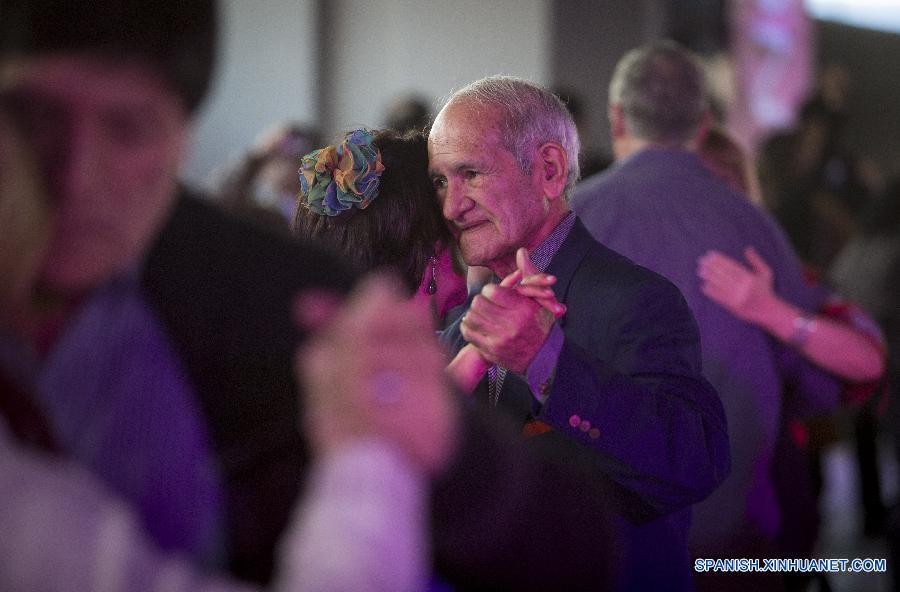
556, 308
538, 279
481, 341
534, 291
475, 320
510, 280
501, 296
523, 262
756, 262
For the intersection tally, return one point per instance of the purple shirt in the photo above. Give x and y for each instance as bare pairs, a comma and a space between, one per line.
120, 404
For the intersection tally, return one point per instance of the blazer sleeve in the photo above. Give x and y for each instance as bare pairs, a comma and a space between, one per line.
629, 389
509, 517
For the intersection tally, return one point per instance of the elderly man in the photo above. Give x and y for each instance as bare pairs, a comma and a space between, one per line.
615, 383
660, 206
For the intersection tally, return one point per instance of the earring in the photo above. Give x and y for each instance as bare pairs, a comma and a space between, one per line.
432, 285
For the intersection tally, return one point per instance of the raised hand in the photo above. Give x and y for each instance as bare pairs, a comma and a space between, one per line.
745, 292
509, 322
530, 282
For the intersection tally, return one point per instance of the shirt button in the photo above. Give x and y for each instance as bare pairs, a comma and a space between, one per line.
574, 421
585, 425
594, 433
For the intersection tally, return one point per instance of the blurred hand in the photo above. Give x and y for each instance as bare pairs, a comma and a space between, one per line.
745, 292
376, 371
509, 322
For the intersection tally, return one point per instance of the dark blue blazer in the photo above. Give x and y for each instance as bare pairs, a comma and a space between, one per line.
629, 401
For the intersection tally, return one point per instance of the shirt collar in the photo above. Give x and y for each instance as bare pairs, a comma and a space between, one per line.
544, 252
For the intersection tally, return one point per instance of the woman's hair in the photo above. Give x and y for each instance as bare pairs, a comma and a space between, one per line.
401, 227
726, 159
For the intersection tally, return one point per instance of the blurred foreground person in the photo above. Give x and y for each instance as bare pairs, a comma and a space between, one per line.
361, 525
139, 354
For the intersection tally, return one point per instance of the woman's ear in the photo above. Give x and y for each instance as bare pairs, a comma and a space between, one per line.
553, 163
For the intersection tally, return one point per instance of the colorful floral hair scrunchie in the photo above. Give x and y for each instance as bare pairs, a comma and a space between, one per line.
336, 178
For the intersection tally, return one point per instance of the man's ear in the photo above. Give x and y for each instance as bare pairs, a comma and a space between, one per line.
616, 121
553, 169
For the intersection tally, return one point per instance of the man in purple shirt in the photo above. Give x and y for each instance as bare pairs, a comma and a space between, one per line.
616, 382
660, 206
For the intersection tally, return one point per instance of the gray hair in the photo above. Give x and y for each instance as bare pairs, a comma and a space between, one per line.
530, 115
661, 88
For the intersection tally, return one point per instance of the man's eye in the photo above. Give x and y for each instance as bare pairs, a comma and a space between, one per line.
470, 174
439, 182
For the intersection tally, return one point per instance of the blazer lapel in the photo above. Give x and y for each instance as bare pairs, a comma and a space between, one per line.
567, 259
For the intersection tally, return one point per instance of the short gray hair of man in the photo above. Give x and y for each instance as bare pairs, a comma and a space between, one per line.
661, 89
529, 116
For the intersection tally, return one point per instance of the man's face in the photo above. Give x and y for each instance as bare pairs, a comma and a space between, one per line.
108, 140
492, 206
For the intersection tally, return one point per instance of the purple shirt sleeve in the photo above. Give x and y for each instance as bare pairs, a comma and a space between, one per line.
539, 374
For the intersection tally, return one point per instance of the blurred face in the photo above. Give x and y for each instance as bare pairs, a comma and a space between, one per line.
492, 206
108, 140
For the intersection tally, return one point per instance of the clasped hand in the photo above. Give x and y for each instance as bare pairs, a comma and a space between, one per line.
509, 322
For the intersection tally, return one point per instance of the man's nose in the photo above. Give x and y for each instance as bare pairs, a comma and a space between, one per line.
76, 162
454, 200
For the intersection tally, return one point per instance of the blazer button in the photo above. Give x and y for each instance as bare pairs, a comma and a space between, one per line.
585, 425
594, 433
574, 421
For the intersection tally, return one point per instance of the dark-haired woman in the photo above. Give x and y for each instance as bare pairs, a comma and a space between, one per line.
370, 199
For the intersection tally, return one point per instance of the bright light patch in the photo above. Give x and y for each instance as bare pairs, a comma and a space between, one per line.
872, 14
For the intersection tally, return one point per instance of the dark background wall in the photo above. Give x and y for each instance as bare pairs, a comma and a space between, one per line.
587, 39
873, 61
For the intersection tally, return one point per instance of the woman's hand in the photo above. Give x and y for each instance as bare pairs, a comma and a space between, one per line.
745, 292
468, 368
